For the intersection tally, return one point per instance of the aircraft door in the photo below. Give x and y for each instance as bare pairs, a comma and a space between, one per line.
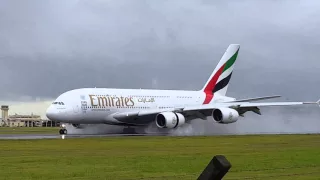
198, 99
84, 106
76, 108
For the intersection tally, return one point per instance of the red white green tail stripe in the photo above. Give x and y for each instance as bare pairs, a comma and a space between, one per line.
220, 78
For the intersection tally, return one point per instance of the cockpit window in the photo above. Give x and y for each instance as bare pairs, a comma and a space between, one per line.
60, 103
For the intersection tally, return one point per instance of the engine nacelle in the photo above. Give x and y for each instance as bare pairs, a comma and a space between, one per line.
170, 120
225, 115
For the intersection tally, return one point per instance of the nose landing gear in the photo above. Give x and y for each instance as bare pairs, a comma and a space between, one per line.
63, 131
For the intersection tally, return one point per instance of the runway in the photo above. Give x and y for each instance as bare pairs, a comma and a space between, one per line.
71, 136
68, 136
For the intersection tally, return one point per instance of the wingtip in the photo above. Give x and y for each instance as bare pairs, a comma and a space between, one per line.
317, 102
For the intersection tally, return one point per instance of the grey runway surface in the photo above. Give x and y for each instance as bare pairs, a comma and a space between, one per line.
70, 136
57, 136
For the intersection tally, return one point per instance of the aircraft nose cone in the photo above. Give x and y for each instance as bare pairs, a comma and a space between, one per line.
51, 113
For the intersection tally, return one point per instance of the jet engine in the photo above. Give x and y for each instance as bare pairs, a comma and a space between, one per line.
170, 120
225, 115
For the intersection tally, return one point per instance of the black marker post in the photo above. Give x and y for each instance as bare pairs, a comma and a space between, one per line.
216, 169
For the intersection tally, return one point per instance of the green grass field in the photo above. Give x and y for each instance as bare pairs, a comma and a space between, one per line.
29, 130
116, 158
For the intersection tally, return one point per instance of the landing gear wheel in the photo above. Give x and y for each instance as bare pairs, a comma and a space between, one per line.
129, 130
63, 131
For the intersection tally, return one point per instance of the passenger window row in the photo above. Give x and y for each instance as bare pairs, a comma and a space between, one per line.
184, 97
135, 96
189, 97
130, 107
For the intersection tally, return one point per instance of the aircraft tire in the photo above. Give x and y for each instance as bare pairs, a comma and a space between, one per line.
63, 131
129, 131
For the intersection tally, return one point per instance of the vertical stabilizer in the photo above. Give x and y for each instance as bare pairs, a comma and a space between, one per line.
219, 80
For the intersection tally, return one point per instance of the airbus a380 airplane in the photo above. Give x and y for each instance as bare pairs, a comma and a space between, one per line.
167, 108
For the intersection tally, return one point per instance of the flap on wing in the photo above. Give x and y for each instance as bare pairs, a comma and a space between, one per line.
270, 104
243, 104
256, 98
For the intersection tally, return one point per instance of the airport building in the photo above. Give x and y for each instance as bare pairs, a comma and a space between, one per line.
23, 120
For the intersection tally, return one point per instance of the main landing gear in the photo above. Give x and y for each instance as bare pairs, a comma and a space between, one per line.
63, 131
129, 130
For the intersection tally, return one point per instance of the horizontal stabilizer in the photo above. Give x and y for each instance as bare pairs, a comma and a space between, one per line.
256, 99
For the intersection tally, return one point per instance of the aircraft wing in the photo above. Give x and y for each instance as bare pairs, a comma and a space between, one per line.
256, 99
244, 105
202, 111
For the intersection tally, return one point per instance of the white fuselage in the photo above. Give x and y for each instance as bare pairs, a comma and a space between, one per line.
96, 105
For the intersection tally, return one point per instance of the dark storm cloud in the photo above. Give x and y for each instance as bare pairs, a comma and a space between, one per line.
47, 47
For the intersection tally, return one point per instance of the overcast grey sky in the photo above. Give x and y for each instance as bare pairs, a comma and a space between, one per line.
48, 47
